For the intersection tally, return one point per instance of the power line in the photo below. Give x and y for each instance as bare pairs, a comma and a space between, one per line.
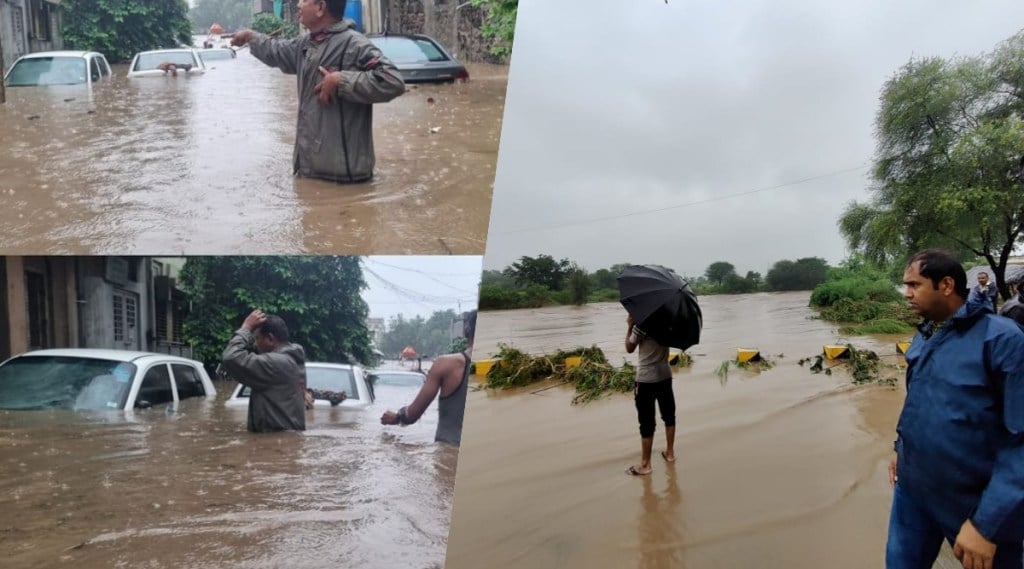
688, 204
425, 275
426, 299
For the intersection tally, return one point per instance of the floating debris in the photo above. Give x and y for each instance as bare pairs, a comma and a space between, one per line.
587, 369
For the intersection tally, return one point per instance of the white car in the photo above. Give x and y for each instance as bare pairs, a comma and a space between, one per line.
324, 377
185, 61
58, 68
100, 379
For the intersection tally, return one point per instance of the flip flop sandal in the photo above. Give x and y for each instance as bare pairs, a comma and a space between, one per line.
632, 471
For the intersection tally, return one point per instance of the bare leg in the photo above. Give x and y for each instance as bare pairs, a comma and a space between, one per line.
646, 446
670, 441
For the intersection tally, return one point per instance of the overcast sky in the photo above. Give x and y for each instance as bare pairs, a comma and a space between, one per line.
420, 285
617, 108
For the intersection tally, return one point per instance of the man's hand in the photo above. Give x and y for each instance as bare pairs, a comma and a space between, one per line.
972, 549
389, 418
241, 37
326, 89
254, 320
892, 472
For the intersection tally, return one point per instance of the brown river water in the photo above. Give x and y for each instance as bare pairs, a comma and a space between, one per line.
203, 165
194, 489
782, 468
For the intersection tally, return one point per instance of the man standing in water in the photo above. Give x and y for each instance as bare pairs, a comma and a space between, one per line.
958, 472
653, 385
449, 378
341, 75
260, 357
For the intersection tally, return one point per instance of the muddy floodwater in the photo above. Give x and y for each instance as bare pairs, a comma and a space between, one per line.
194, 489
782, 468
203, 165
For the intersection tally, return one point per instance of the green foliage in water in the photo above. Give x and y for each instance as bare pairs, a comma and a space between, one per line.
120, 29
593, 378
269, 23
862, 296
865, 366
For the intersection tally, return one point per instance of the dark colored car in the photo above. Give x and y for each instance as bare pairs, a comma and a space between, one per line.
420, 59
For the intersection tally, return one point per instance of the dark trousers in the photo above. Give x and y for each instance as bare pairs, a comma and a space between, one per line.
916, 537
646, 395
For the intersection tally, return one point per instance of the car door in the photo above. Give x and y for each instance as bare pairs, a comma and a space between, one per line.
155, 387
95, 72
187, 381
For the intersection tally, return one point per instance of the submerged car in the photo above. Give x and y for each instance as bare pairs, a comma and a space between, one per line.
420, 59
324, 377
216, 54
58, 68
162, 62
397, 378
99, 379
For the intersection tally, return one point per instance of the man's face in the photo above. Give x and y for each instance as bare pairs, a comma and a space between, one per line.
983, 279
264, 344
924, 298
311, 12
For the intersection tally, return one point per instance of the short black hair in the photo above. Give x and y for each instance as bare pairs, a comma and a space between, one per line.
336, 8
275, 326
937, 264
469, 325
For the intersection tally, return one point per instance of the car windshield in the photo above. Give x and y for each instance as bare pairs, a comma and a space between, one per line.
332, 379
152, 60
40, 382
409, 50
47, 71
398, 379
215, 54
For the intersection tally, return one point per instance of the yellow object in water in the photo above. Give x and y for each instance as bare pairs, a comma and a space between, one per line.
673, 358
835, 352
902, 347
573, 361
747, 355
484, 366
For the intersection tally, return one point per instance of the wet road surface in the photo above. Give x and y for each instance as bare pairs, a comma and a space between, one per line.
194, 489
782, 468
203, 165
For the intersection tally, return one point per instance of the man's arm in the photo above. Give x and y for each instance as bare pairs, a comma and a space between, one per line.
243, 364
632, 338
376, 80
1003, 498
441, 369
282, 54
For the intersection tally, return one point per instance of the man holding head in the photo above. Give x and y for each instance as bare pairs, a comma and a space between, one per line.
958, 471
261, 357
341, 74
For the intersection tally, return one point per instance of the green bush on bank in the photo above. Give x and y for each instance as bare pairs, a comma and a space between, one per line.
864, 298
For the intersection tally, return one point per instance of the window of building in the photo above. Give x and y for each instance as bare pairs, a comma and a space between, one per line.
38, 321
39, 15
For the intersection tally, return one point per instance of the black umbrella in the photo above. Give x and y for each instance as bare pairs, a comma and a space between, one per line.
661, 304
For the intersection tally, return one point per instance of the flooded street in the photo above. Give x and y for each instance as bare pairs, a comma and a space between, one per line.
782, 468
194, 489
203, 165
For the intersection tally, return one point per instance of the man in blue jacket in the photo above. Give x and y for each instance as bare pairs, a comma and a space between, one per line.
958, 473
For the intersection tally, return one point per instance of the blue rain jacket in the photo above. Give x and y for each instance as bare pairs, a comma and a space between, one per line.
960, 442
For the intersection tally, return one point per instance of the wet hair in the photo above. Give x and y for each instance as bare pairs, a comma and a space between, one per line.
469, 325
336, 8
276, 327
937, 264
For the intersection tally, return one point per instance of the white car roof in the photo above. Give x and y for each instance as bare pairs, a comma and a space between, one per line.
56, 54
114, 355
169, 50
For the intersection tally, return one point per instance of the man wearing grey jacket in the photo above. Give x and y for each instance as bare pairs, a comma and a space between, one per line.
260, 357
341, 74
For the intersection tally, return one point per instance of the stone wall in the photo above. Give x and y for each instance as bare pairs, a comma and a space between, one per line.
437, 21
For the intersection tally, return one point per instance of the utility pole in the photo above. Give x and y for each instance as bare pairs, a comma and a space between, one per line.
3, 86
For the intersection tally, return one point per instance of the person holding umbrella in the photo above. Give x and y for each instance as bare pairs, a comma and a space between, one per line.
663, 313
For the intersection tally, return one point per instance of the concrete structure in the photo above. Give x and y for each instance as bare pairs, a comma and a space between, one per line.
377, 328
89, 302
29, 26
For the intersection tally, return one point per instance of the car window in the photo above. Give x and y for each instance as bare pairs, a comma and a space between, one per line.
47, 71
104, 66
332, 379
150, 61
39, 382
156, 387
94, 66
186, 379
215, 54
409, 50
398, 379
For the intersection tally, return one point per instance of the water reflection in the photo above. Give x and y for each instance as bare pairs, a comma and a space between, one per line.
192, 488
203, 164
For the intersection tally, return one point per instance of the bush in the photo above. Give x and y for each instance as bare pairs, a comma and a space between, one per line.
269, 23
854, 288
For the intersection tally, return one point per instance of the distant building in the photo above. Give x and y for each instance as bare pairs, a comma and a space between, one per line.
29, 26
377, 329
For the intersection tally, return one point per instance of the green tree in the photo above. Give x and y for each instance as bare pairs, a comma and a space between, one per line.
271, 24
318, 298
579, 284
430, 336
230, 14
719, 271
542, 270
120, 28
949, 169
500, 24
802, 274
